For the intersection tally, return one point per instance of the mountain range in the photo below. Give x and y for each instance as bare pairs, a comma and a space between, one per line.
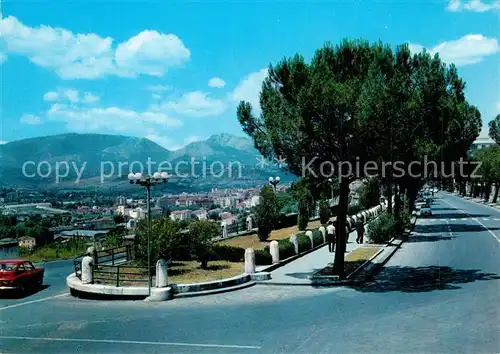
103, 161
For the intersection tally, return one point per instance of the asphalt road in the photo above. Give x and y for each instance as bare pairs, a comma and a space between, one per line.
439, 293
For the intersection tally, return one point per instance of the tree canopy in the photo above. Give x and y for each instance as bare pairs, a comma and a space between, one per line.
356, 104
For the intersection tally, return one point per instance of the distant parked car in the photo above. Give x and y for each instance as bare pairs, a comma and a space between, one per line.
426, 211
20, 275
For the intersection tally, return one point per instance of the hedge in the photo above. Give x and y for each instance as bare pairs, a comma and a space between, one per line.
227, 253
304, 242
285, 247
263, 258
317, 237
382, 229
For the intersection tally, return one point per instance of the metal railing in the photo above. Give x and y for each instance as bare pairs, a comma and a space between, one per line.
109, 257
122, 274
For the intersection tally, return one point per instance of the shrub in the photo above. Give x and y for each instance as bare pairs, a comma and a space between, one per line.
403, 222
285, 247
227, 253
304, 242
303, 214
263, 258
324, 211
317, 237
266, 212
201, 234
353, 209
382, 229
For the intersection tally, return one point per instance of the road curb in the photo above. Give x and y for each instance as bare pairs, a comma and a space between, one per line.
370, 267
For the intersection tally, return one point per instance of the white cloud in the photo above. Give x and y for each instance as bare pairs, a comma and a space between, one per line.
3, 142
470, 49
3, 58
150, 53
216, 82
195, 104
90, 56
70, 95
90, 98
156, 96
30, 119
473, 5
248, 89
51, 96
112, 119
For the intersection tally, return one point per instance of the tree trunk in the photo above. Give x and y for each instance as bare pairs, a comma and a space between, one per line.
338, 264
495, 196
397, 202
389, 193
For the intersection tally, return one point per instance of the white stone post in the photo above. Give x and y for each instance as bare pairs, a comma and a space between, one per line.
323, 233
275, 251
360, 217
249, 223
249, 261
310, 235
224, 230
161, 273
295, 243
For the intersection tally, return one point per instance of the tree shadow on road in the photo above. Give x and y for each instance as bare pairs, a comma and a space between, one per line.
423, 279
438, 228
455, 216
431, 238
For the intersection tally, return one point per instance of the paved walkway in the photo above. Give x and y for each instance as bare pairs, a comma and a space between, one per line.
299, 271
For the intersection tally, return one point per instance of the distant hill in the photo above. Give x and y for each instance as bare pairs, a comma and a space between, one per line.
198, 165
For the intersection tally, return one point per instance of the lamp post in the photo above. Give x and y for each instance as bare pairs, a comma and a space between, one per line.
148, 181
331, 189
273, 181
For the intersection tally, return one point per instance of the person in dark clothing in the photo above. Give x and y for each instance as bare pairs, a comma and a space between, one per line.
361, 231
330, 236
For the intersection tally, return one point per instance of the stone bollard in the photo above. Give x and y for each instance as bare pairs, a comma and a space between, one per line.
275, 251
360, 217
249, 261
249, 223
310, 235
295, 243
323, 232
161, 273
355, 218
224, 230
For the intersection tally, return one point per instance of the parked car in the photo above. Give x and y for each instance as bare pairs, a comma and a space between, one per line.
425, 211
20, 275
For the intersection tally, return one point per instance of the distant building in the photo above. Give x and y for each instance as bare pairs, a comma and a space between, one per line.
255, 200
481, 143
27, 242
86, 234
9, 248
201, 214
180, 214
166, 202
102, 223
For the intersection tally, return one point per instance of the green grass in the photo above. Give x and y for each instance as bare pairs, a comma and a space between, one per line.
51, 253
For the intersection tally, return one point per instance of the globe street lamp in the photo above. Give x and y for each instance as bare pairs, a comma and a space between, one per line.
331, 188
273, 181
148, 181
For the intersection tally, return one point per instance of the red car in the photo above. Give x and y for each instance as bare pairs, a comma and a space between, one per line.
20, 275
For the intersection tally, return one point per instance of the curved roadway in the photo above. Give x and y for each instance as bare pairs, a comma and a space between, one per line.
438, 293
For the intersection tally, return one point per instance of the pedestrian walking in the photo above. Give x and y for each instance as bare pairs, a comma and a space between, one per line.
360, 228
330, 235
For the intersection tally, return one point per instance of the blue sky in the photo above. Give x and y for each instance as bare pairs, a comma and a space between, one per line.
175, 71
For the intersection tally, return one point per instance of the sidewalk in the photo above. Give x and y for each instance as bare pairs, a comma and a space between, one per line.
299, 271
